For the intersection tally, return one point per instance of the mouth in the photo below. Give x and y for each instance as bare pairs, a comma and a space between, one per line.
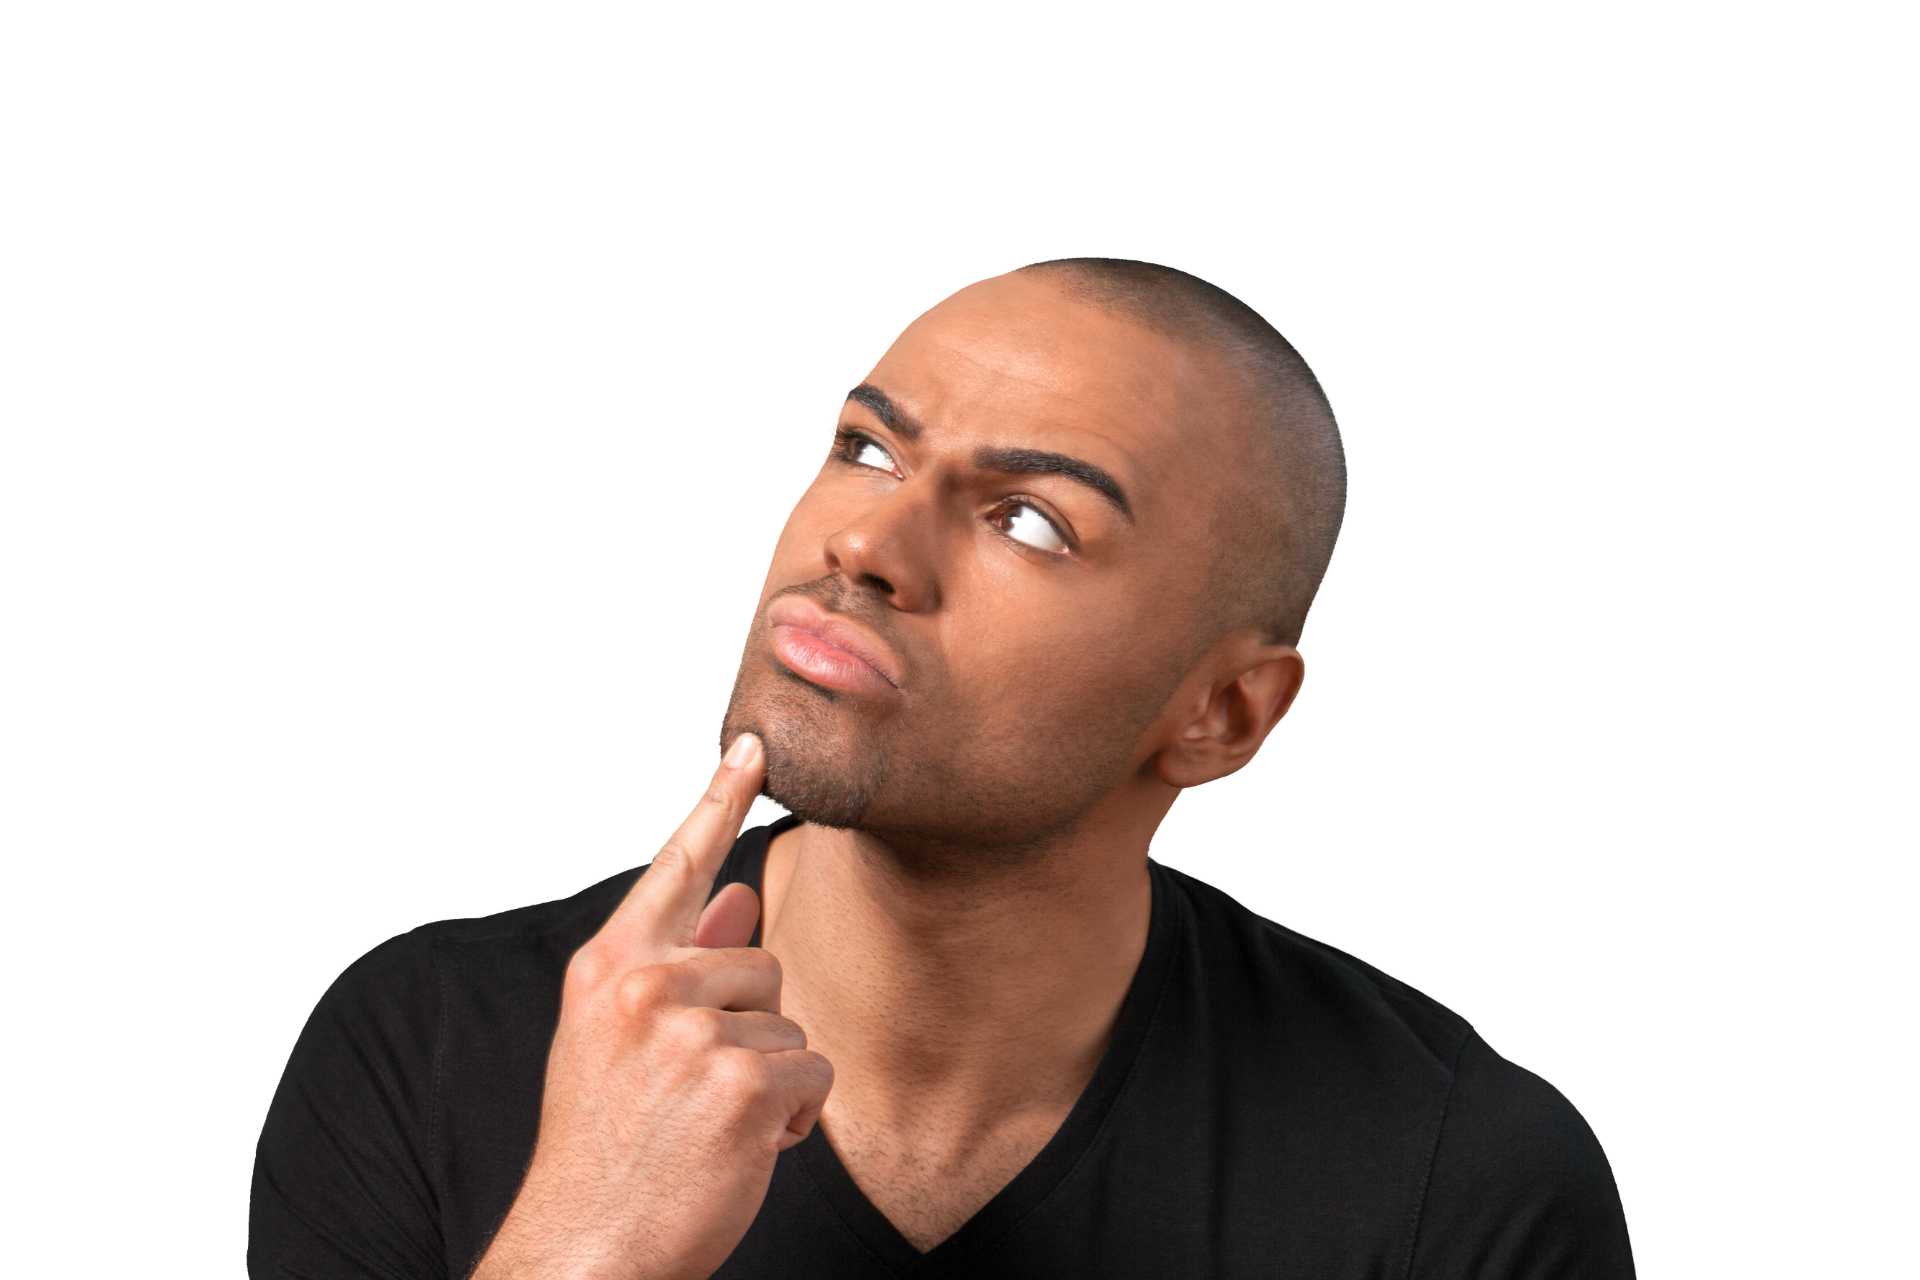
828, 650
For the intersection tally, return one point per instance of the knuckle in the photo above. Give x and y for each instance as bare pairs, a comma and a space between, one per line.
674, 861
743, 1077
587, 970
695, 1030
816, 1071
758, 961
645, 990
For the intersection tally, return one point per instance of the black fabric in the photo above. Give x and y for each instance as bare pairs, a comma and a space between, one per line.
1268, 1107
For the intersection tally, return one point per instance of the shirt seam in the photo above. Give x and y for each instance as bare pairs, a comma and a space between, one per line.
1433, 1152
445, 931
436, 1131
439, 1049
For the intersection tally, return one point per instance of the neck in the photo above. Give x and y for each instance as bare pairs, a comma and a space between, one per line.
978, 990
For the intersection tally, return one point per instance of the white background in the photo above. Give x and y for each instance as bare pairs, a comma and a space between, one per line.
400, 403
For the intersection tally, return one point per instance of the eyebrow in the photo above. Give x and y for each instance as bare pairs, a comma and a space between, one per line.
1035, 462
891, 416
1029, 462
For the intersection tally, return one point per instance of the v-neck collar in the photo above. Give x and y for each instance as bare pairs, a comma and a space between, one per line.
1047, 1170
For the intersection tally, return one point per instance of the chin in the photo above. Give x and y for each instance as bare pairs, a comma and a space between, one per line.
823, 770
942, 803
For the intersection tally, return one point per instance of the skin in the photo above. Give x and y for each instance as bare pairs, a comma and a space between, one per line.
994, 729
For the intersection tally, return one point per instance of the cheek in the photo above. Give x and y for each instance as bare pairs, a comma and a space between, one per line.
1021, 646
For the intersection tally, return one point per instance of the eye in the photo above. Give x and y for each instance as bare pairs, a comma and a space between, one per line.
868, 454
1024, 524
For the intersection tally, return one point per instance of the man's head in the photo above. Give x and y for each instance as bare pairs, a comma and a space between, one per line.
1057, 559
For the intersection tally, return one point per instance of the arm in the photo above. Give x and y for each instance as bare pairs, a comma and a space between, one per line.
673, 1083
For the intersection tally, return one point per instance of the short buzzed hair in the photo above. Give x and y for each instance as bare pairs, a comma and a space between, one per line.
1277, 550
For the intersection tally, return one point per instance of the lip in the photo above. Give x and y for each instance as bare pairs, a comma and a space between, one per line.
829, 650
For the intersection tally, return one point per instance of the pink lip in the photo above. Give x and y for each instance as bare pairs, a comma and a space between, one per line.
829, 650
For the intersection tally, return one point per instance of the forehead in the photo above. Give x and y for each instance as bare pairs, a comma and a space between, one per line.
1012, 361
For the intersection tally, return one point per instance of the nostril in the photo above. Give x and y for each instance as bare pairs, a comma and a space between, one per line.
878, 583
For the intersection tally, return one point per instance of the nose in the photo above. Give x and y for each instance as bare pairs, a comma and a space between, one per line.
888, 548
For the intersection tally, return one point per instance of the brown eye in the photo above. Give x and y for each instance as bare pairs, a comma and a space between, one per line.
1024, 524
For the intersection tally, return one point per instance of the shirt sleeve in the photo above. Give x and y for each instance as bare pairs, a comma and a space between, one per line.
1519, 1188
341, 1184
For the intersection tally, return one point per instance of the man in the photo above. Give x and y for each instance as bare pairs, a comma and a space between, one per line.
948, 1019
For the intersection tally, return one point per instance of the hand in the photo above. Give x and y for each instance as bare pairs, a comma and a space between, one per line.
673, 1083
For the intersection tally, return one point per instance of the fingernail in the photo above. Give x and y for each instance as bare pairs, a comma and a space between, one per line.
742, 751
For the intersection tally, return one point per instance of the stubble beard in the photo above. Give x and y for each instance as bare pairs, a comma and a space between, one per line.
813, 770
931, 819
940, 794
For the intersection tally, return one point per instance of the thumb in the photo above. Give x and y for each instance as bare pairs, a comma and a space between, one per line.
729, 919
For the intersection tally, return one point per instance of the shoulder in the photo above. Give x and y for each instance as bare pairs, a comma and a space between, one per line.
572, 919
1501, 1113
1312, 986
1503, 1176
388, 1005
535, 941
1519, 1184
384, 1019
358, 1170
535, 937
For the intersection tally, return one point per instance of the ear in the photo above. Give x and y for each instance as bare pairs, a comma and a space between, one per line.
1225, 720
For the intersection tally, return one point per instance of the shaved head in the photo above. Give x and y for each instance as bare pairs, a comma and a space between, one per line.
1276, 539
1054, 563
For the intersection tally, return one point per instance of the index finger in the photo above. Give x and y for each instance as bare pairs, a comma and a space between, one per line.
662, 910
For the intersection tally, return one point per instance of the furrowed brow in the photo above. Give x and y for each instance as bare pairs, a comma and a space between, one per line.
1034, 462
891, 415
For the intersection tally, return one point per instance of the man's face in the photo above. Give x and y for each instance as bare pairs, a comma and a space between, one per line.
977, 611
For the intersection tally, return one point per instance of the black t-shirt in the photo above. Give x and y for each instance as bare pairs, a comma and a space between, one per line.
1268, 1107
